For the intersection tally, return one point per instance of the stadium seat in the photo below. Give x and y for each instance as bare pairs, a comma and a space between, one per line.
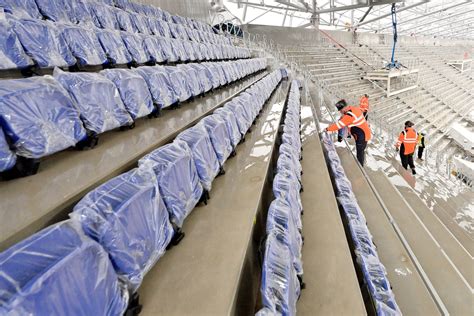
21, 9
153, 49
178, 50
140, 23
178, 179
204, 76
7, 157
97, 99
281, 219
280, 288
287, 163
220, 139
192, 79
44, 275
127, 216
80, 12
159, 84
214, 74
124, 20
11, 51
114, 47
231, 123
287, 187
189, 48
205, 159
84, 45
42, 41
178, 83
163, 28
38, 117
134, 44
244, 119
134, 91
103, 16
54, 10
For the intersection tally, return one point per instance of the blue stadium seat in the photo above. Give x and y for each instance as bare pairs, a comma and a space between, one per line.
134, 91
189, 48
54, 10
59, 271
153, 49
198, 52
11, 51
178, 50
281, 219
280, 287
178, 179
287, 163
24, 9
163, 28
166, 49
124, 20
140, 23
287, 187
192, 79
198, 141
80, 12
243, 118
103, 16
128, 217
178, 83
97, 99
38, 116
134, 44
214, 74
219, 135
7, 157
114, 47
159, 84
204, 75
232, 126
84, 45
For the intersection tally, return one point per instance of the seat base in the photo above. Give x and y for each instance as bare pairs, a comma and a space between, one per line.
134, 307
24, 167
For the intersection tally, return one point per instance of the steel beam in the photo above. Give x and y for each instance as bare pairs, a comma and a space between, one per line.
438, 27
302, 9
357, 6
389, 14
431, 22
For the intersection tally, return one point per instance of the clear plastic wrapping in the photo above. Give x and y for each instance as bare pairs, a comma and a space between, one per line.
287, 187
45, 275
178, 83
220, 138
84, 45
232, 125
159, 85
114, 47
177, 177
42, 41
80, 12
103, 16
7, 157
124, 20
23, 9
12, 54
166, 49
243, 120
153, 49
192, 80
205, 159
38, 116
97, 99
139, 23
134, 44
203, 77
133, 90
128, 217
54, 10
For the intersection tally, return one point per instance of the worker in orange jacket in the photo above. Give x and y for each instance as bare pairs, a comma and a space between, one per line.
406, 144
353, 119
364, 105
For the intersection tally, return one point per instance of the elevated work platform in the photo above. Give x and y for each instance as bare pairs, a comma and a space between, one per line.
395, 80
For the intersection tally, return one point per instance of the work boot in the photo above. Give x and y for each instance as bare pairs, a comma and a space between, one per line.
413, 172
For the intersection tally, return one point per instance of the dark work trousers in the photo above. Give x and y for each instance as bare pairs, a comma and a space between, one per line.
420, 152
360, 149
407, 160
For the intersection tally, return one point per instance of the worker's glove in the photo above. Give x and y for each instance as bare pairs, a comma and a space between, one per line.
339, 138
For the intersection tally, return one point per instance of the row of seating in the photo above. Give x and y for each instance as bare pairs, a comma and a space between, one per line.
93, 263
44, 115
25, 43
373, 271
282, 271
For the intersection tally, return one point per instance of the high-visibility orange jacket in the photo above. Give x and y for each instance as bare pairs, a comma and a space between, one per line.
408, 138
364, 104
355, 121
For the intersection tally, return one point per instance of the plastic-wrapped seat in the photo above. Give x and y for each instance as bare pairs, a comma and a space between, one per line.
80, 12
103, 16
188, 47
97, 99
204, 76
214, 74
42, 41
12, 55
23, 9
281, 218
134, 44
178, 50
128, 217
205, 159
38, 117
84, 45
280, 287
221, 142
153, 49
165, 46
232, 126
287, 187
134, 91
159, 84
178, 179
124, 20
7, 157
244, 119
164, 28
45, 275
114, 47
178, 83
54, 10
192, 79
140, 23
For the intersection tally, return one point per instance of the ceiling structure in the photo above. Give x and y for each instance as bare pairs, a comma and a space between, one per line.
436, 18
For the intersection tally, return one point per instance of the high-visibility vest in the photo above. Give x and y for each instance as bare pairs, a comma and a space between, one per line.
353, 119
364, 104
409, 139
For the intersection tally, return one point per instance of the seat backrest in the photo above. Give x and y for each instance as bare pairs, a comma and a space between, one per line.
81, 12
54, 10
84, 45
232, 126
243, 119
159, 84
103, 16
42, 41
140, 23
12, 55
153, 48
114, 47
7, 157
127, 216
21, 8
220, 137
134, 44
36, 274
198, 141
192, 79
204, 75
286, 186
133, 91
97, 99
124, 20
179, 83
38, 116
178, 179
